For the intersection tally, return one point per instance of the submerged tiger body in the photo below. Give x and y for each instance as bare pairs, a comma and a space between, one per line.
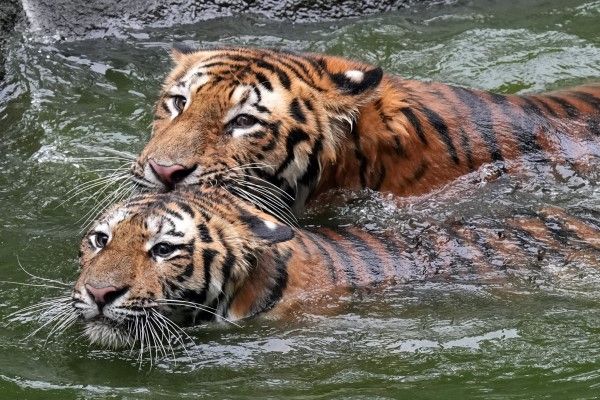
191, 256
307, 123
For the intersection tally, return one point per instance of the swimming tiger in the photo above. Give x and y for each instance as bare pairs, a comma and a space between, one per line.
193, 256
265, 121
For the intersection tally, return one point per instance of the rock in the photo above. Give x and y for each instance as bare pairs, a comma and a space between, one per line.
74, 19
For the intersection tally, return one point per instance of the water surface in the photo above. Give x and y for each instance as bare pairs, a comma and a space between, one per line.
536, 335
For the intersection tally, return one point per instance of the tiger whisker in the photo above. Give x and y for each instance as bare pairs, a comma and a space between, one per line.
270, 185
175, 329
34, 307
282, 214
196, 306
41, 278
32, 284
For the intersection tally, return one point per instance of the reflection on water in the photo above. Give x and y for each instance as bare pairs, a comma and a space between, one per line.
65, 108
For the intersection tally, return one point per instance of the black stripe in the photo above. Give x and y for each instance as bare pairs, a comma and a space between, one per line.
369, 257
347, 261
261, 108
400, 151
380, 178
437, 122
186, 208
295, 136
545, 106
522, 126
296, 111
328, 260
593, 125
466, 145
264, 81
163, 208
588, 98
208, 255
360, 156
228, 263
269, 146
283, 77
187, 272
419, 172
165, 107
570, 109
482, 117
281, 278
204, 233
414, 121
313, 169
308, 104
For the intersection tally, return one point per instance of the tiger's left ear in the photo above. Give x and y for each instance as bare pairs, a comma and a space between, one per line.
272, 232
354, 82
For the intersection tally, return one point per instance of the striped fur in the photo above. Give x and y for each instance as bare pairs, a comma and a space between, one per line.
234, 262
320, 122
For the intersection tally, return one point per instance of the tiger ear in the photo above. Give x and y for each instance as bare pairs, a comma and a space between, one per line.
272, 232
355, 82
180, 51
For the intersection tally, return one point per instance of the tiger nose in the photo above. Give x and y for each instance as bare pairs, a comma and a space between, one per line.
169, 174
104, 295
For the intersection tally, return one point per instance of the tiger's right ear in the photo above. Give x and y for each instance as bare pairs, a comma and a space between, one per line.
179, 52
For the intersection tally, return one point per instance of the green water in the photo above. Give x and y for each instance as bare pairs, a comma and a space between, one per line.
536, 336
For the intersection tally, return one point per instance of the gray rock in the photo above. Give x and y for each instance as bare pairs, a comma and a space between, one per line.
73, 19
10, 14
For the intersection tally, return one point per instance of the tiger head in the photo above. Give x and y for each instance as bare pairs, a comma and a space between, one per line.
262, 117
165, 257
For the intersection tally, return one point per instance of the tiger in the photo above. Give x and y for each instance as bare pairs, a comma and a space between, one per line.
279, 128
197, 256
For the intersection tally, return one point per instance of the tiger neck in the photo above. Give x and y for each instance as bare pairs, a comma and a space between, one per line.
264, 285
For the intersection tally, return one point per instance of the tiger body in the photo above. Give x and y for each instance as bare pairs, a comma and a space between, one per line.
194, 256
308, 123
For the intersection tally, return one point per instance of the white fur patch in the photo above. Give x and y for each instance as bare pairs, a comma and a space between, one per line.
271, 225
355, 76
242, 132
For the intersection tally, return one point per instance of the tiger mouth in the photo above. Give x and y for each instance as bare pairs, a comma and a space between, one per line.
110, 333
149, 328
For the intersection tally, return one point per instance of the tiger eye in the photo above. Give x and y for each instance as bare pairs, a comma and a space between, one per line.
244, 121
100, 240
162, 249
179, 102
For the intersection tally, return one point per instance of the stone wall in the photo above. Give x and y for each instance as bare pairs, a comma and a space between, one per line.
73, 19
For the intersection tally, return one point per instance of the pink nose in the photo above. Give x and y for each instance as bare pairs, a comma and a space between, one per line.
169, 174
105, 295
